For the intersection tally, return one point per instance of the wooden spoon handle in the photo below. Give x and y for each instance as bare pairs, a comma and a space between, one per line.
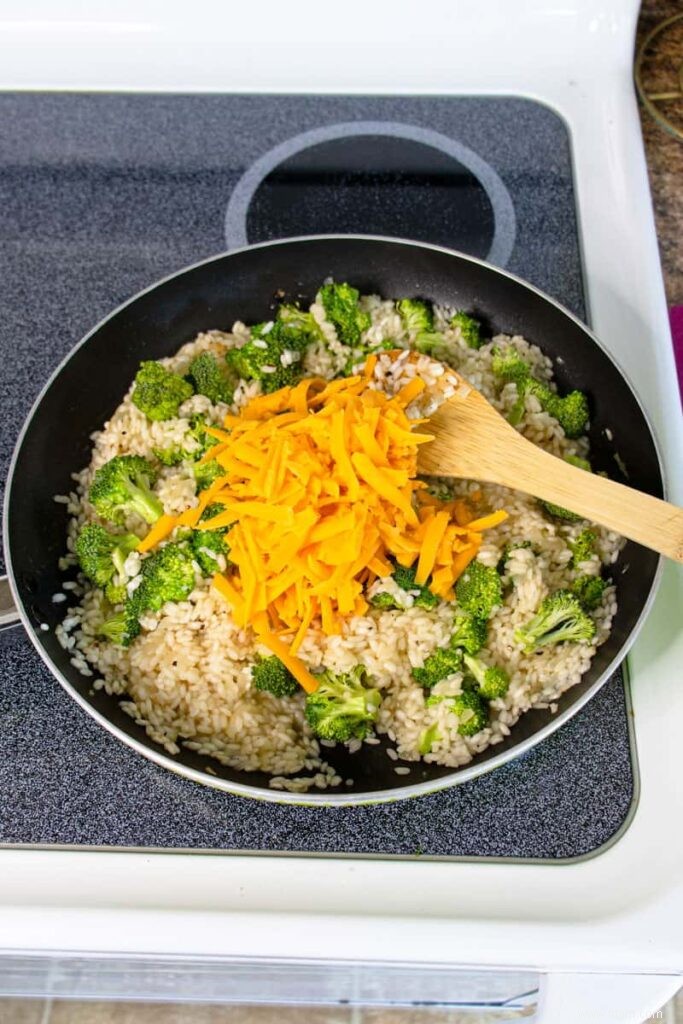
640, 517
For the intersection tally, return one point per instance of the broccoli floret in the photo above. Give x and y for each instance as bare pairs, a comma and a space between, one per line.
171, 456
469, 632
428, 738
508, 366
383, 601
557, 511
404, 576
101, 554
123, 626
470, 329
270, 674
427, 342
214, 509
416, 315
583, 547
116, 593
167, 575
272, 355
198, 433
440, 664
300, 321
559, 619
589, 590
124, 485
472, 712
207, 546
570, 411
509, 547
479, 590
212, 378
493, 681
158, 392
202, 442
340, 302
206, 472
342, 707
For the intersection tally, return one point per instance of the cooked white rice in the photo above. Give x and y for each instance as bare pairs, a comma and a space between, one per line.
186, 679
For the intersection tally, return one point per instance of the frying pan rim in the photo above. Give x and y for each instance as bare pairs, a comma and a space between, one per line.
326, 799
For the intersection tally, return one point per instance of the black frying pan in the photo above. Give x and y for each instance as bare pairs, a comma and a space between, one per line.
246, 285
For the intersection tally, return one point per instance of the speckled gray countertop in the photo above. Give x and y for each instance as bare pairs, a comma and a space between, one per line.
101, 195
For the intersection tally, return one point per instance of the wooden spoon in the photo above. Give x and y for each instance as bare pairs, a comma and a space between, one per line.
475, 442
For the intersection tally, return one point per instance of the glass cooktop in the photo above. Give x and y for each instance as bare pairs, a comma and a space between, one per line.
100, 195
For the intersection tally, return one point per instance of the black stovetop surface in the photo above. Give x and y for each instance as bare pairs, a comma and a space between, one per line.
100, 195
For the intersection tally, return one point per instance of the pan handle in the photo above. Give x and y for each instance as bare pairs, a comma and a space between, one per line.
9, 616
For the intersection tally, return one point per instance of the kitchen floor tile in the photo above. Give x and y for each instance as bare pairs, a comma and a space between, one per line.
23, 1011
426, 1016
72, 1012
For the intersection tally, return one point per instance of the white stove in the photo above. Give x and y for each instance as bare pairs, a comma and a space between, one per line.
593, 938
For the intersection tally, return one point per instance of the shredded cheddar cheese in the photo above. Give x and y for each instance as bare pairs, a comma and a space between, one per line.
321, 491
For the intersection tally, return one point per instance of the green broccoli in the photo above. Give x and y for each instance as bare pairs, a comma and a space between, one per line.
470, 329
270, 675
404, 577
300, 321
428, 342
199, 435
416, 315
472, 712
340, 302
206, 472
214, 509
469, 632
383, 601
428, 737
171, 456
212, 378
509, 367
207, 546
273, 355
167, 575
200, 443
570, 411
116, 593
557, 511
507, 550
158, 392
589, 590
101, 554
124, 485
583, 547
560, 619
123, 626
493, 681
479, 590
440, 664
342, 707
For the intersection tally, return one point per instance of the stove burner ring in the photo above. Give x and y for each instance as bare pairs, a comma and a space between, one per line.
504, 222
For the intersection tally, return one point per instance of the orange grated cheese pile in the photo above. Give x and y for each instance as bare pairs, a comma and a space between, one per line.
321, 492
